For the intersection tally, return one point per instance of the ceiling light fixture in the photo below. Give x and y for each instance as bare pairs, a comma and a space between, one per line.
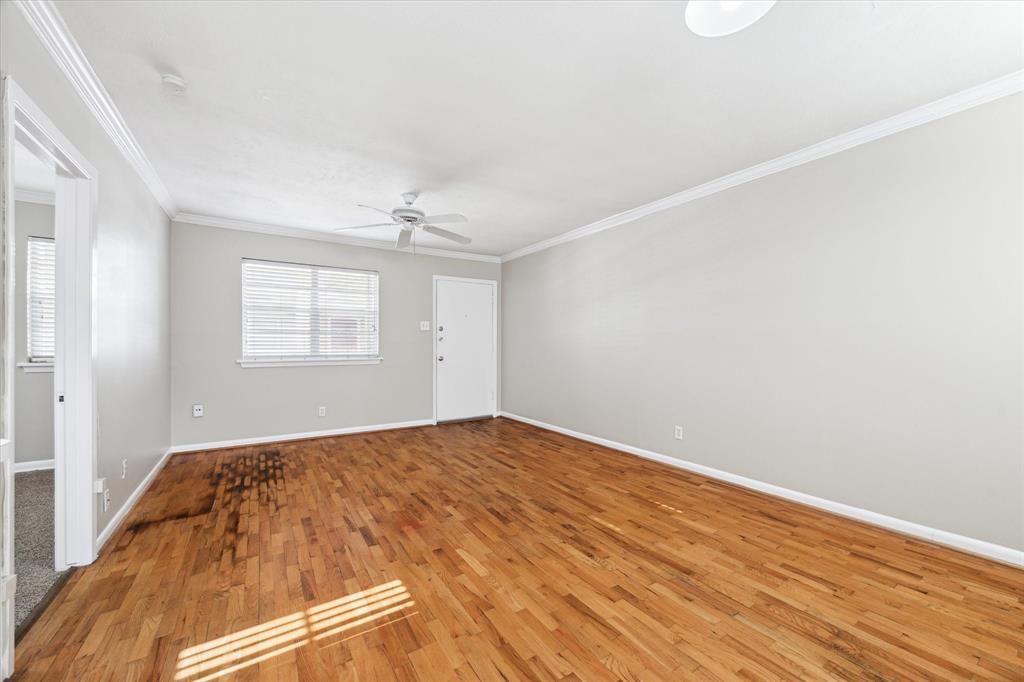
716, 18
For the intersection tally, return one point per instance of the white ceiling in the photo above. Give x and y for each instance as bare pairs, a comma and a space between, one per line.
532, 118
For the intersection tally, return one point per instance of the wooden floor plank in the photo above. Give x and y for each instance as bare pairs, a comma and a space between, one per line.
494, 550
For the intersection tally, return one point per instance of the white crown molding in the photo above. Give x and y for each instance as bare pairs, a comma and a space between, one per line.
49, 26
33, 196
938, 536
980, 94
318, 235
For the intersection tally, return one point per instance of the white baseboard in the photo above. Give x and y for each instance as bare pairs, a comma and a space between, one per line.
259, 440
116, 520
33, 465
973, 546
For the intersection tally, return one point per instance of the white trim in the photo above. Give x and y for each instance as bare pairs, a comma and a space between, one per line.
36, 367
941, 537
75, 444
34, 196
249, 364
319, 235
75, 449
980, 94
130, 503
471, 280
494, 340
55, 36
74, 520
8, 580
33, 465
259, 440
7, 384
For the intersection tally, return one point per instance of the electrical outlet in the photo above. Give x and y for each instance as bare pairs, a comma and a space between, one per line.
124, 468
197, 410
322, 411
678, 435
425, 326
106, 499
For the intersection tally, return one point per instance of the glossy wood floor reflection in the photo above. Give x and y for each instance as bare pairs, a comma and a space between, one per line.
493, 550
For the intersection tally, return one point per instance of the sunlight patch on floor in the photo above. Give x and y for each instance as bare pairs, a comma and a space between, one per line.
231, 653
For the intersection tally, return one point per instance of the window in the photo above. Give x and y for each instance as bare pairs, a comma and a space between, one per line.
308, 313
42, 299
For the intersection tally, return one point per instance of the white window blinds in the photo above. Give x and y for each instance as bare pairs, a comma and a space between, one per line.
308, 312
42, 299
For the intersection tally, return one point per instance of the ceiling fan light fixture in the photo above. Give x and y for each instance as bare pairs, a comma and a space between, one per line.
408, 219
717, 18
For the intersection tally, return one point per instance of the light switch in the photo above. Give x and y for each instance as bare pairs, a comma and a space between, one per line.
425, 326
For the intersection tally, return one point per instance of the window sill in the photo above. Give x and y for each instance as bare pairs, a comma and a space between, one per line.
249, 364
36, 367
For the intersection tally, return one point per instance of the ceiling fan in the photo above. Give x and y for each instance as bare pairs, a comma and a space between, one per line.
409, 218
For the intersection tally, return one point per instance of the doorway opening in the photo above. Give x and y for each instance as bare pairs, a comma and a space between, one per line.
35, 310
48, 395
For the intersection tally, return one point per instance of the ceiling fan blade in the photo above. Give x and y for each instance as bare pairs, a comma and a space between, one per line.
359, 227
404, 237
378, 210
446, 218
440, 232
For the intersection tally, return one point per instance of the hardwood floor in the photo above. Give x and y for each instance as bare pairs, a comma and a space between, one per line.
494, 550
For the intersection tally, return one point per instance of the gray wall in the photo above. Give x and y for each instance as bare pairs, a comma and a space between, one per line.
849, 329
206, 341
133, 247
33, 392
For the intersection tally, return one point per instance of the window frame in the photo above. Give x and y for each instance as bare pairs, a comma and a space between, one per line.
38, 361
309, 360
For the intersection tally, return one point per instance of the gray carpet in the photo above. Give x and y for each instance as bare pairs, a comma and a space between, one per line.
33, 540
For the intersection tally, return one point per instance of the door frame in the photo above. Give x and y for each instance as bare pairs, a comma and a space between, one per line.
74, 384
493, 283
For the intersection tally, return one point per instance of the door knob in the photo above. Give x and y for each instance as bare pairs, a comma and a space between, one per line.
440, 358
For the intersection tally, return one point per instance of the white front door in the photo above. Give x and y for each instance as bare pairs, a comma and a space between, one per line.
465, 357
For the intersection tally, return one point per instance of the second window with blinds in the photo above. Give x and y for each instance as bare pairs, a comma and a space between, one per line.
296, 314
42, 300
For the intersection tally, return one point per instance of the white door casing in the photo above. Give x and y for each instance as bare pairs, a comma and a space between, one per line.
465, 348
8, 580
74, 370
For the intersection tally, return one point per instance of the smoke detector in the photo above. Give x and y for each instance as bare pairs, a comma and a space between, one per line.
174, 84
